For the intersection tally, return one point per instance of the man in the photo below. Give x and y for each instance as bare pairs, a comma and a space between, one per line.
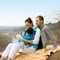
46, 33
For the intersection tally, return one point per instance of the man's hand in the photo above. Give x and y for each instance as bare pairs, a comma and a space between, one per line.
52, 48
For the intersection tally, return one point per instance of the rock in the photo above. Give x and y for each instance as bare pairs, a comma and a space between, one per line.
42, 54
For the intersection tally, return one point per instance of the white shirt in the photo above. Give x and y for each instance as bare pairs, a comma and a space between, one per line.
37, 36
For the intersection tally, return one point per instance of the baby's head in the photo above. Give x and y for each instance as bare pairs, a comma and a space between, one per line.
29, 31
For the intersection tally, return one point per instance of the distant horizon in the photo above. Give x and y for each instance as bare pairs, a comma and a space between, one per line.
24, 25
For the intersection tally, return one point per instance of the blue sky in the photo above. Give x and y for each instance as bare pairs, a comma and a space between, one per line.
14, 12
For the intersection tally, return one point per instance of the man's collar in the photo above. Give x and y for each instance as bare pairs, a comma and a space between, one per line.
41, 26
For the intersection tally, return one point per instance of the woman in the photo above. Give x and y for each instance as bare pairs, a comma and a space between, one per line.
12, 49
46, 34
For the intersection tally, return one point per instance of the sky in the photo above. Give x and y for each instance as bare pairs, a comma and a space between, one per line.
15, 12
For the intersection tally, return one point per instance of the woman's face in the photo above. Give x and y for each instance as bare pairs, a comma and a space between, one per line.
28, 25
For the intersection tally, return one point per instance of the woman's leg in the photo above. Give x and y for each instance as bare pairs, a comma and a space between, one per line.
15, 49
6, 51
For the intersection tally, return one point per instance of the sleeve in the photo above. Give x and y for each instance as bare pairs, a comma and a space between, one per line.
23, 33
51, 36
37, 36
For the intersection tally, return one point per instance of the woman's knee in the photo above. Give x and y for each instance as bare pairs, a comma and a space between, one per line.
10, 44
16, 45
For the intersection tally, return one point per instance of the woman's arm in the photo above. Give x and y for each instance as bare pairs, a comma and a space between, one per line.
29, 41
36, 39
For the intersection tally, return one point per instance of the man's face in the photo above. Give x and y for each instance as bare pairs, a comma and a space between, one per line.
38, 21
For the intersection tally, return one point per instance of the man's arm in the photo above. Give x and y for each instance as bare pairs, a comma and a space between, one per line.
51, 36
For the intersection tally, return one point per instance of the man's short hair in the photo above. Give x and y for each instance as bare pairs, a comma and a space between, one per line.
41, 17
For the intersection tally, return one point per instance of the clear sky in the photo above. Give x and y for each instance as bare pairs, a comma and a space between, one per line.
14, 12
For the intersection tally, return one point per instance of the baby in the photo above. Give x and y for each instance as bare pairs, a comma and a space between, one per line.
28, 35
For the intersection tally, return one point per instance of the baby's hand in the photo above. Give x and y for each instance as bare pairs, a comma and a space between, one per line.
27, 46
18, 36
